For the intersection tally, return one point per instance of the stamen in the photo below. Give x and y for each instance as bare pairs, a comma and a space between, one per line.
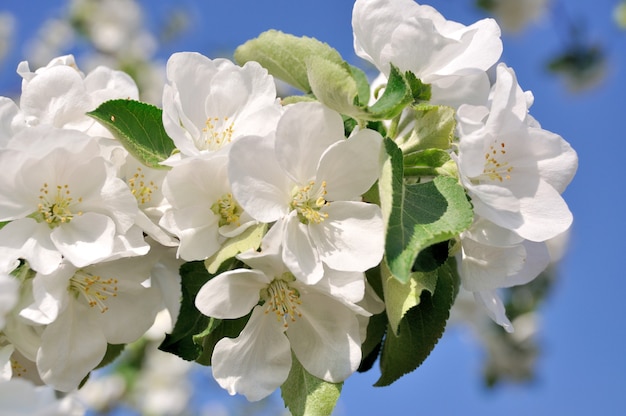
141, 189
217, 132
55, 208
283, 300
308, 204
495, 169
228, 210
95, 289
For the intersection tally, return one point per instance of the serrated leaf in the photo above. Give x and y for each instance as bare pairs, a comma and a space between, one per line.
249, 239
434, 128
190, 321
395, 98
285, 55
419, 90
307, 395
417, 215
139, 128
420, 329
401, 297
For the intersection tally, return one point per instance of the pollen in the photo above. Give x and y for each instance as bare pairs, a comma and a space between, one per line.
95, 289
283, 300
495, 168
56, 205
141, 188
308, 201
217, 132
17, 369
228, 210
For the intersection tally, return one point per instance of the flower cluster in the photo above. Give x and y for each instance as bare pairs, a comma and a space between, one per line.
288, 222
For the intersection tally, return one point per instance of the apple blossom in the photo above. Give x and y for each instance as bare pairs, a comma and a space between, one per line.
513, 170
210, 103
320, 328
62, 199
310, 180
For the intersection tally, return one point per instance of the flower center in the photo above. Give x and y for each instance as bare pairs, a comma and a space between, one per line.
216, 133
308, 202
495, 169
55, 206
141, 189
283, 300
95, 289
227, 209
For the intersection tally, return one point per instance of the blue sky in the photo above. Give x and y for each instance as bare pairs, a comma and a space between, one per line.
582, 369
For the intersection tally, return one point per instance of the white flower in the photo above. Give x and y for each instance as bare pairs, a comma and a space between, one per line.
492, 258
60, 94
85, 308
417, 38
62, 199
320, 327
203, 211
210, 103
513, 170
310, 181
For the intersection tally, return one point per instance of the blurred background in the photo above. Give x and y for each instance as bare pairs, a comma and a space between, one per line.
568, 353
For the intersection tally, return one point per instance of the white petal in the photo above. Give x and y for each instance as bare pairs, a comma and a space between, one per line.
255, 363
352, 237
30, 240
85, 239
259, 184
546, 215
495, 309
300, 253
71, 346
231, 294
326, 338
303, 134
350, 167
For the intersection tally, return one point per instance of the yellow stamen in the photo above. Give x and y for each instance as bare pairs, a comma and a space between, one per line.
308, 204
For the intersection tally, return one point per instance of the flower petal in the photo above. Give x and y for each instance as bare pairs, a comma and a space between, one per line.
351, 238
255, 363
326, 338
231, 294
300, 253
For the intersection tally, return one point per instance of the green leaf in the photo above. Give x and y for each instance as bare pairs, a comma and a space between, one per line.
139, 128
420, 329
417, 215
395, 98
249, 239
419, 90
333, 84
429, 162
190, 321
284, 56
434, 128
3, 223
305, 394
401, 297
362, 83
370, 349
